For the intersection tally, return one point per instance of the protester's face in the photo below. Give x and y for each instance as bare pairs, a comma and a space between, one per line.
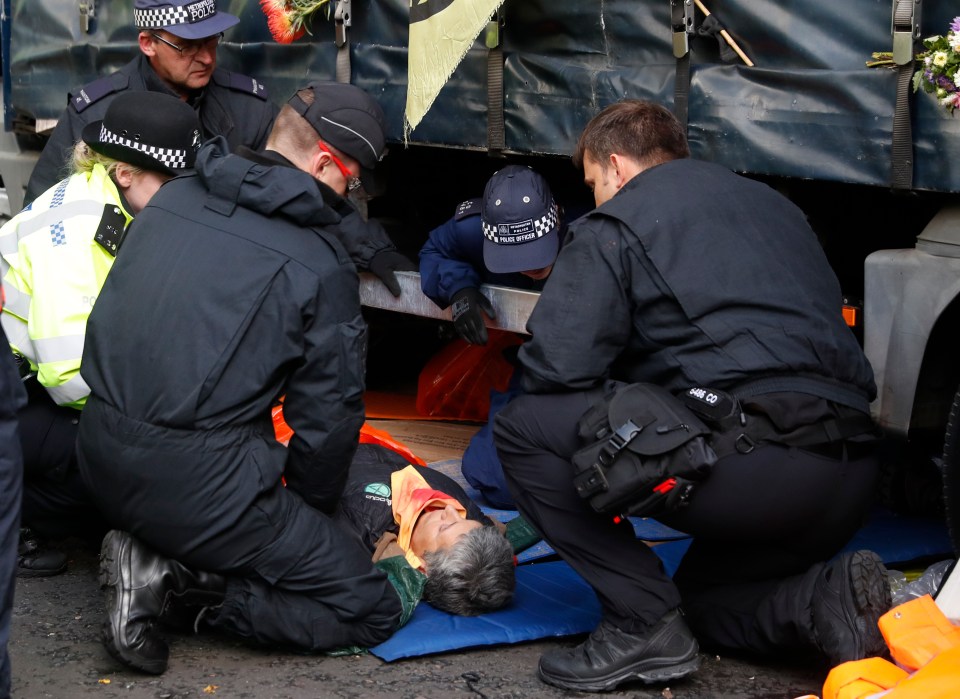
183, 71
599, 177
440, 529
139, 187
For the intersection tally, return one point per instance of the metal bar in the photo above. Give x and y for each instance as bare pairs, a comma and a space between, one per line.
512, 306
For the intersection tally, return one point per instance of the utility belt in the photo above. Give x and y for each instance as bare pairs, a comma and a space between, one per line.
647, 450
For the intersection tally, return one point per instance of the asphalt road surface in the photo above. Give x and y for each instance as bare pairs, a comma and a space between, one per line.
56, 652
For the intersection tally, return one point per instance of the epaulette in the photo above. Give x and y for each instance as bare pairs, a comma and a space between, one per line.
97, 90
240, 83
471, 207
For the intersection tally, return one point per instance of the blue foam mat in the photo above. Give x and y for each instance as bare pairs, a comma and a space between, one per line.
553, 600
901, 539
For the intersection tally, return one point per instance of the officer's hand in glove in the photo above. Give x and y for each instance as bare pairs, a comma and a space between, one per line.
385, 263
468, 306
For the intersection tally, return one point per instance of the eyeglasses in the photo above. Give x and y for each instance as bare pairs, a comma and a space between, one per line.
353, 182
189, 49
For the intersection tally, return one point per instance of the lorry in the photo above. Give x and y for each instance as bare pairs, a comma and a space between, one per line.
812, 97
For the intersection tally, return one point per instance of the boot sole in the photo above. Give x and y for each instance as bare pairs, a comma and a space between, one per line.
653, 675
872, 600
109, 579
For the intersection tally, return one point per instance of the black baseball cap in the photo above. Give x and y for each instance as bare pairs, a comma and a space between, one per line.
520, 221
188, 19
351, 121
151, 130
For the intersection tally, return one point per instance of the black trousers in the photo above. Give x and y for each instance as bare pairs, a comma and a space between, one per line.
56, 501
214, 501
763, 524
11, 479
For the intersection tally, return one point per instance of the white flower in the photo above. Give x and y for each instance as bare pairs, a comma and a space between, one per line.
940, 59
954, 40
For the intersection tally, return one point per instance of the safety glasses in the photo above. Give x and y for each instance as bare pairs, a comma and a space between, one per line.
353, 182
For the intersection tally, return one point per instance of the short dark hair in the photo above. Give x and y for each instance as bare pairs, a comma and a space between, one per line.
474, 576
641, 130
290, 131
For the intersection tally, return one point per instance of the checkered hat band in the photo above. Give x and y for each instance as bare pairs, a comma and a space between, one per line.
173, 159
166, 16
507, 234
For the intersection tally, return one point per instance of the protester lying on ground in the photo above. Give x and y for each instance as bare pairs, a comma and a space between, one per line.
177, 55
685, 276
56, 254
256, 299
419, 513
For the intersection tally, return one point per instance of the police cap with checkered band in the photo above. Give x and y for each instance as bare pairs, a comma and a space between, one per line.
150, 130
520, 221
188, 19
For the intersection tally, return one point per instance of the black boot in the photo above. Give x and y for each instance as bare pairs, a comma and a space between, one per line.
665, 651
849, 597
34, 561
139, 583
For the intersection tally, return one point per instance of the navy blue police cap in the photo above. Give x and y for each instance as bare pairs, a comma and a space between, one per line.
188, 19
520, 221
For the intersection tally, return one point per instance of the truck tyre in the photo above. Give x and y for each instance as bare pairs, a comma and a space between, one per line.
951, 473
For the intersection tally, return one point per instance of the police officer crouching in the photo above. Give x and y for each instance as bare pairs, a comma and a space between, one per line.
234, 291
56, 255
689, 275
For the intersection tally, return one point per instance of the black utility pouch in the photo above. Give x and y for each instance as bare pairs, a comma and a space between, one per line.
645, 453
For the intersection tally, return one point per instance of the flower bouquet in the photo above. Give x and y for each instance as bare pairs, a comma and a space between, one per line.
287, 19
940, 62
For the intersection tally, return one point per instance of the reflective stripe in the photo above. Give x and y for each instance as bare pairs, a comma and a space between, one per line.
48, 217
16, 332
9, 242
18, 302
58, 349
73, 390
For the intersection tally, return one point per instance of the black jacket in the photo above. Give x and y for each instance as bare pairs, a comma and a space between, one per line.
232, 105
692, 275
361, 238
226, 294
366, 506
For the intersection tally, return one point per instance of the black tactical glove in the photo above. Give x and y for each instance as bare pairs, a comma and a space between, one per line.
468, 306
385, 263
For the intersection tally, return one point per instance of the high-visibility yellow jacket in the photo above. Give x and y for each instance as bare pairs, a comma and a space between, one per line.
52, 271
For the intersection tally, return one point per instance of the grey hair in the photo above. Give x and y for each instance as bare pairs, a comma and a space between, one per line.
474, 576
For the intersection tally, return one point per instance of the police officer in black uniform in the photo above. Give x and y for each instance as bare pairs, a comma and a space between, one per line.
12, 398
178, 55
177, 437
684, 275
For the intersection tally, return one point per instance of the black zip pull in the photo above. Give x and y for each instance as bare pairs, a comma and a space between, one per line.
663, 429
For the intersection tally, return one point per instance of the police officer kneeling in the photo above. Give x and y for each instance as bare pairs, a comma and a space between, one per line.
232, 293
688, 275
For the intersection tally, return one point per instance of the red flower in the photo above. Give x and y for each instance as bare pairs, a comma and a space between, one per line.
281, 19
